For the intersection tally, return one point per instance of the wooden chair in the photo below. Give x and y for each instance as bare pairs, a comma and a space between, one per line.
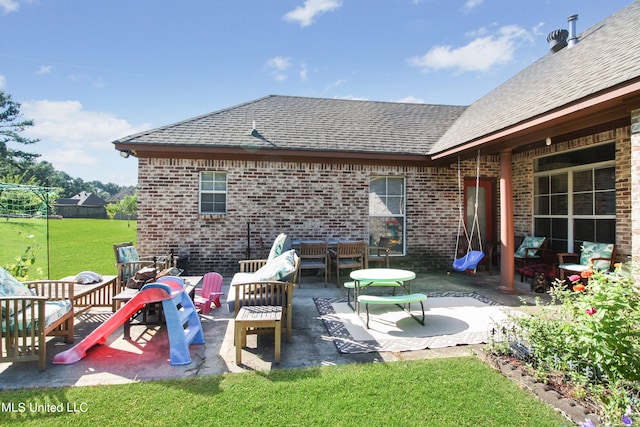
530, 251
379, 253
45, 310
129, 262
260, 308
599, 256
350, 255
314, 256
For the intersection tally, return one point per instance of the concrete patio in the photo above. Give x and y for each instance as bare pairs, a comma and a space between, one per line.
146, 356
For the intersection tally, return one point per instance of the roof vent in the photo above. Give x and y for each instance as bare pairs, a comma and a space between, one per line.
557, 40
573, 38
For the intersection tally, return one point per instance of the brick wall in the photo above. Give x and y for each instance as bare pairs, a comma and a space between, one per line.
303, 200
319, 201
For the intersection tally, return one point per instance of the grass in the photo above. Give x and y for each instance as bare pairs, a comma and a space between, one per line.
74, 244
440, 392
436, 392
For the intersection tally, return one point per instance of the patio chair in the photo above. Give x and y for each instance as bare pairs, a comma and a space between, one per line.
313, 256
379, 253
350, 255
530, 251
210, 292
599, 256
128, 262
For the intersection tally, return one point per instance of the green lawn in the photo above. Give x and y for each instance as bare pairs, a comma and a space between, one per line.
437, 392
74, 244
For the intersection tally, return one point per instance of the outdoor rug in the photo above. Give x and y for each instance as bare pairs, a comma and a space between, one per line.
451, 319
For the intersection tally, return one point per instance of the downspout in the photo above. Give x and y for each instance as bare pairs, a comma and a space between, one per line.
507, 267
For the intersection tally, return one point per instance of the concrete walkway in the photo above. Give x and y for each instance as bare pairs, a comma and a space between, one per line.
146, 356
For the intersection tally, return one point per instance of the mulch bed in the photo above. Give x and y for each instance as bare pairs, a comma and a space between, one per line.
556, 392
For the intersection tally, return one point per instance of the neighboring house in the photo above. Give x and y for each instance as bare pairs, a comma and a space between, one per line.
82, 205
118, 197
558, 145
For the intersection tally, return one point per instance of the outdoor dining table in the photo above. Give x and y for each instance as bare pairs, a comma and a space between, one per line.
366, 277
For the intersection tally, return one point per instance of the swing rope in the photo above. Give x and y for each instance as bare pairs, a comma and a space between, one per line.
472, 257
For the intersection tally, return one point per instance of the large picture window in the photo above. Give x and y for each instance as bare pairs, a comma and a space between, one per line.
575, 197
213, 192
387, 212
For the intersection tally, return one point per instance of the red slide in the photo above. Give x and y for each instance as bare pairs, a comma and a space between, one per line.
100, 334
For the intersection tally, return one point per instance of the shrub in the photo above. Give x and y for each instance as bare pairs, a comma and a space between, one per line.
590, 332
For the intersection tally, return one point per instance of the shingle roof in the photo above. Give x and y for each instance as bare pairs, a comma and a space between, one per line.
300, 123
606, 55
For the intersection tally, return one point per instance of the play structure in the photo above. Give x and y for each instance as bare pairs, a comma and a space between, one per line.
469, 262
182, 320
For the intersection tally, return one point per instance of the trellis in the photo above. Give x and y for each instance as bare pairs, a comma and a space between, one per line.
25, 210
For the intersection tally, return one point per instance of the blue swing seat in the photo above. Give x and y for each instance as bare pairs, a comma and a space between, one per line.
468, 262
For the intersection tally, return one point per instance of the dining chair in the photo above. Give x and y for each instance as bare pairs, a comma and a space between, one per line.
379, 253
350, 255
313, 256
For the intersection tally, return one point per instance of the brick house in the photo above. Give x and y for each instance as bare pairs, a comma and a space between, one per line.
557, 146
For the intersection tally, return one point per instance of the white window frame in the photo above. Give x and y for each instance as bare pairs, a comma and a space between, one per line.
402, 213
212, 190
570, 216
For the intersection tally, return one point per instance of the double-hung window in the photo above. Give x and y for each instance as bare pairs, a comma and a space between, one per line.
575, 197
213, 192
387, 211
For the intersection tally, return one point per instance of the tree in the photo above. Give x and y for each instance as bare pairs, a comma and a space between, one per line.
112, 209
129, 206
13, 160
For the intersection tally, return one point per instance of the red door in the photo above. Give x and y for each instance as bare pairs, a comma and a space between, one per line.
486, 209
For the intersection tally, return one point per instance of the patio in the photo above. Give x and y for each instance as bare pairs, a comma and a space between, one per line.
146, 356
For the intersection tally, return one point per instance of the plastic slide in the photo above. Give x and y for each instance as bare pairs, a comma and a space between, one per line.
100, 334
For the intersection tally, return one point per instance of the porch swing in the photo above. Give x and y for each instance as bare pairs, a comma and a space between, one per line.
469, 262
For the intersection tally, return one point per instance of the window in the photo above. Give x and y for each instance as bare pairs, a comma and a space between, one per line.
574, 202
387, 212
213, 192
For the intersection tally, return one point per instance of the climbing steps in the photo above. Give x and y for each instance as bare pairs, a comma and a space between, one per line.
183, 322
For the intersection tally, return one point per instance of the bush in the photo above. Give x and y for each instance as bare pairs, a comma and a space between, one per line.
590, 333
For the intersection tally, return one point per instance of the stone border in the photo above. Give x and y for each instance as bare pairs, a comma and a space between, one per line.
568, 407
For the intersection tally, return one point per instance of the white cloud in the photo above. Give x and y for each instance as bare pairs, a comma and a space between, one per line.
481, 54
2, 81
78, 141
8, 6
410, 100
278, 66
305, 15
470, 4
303, 72
44, 69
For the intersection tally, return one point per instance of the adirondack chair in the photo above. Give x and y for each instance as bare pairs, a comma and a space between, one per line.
210, 293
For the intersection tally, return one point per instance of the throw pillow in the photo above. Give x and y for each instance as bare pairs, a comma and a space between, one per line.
281, 244
279, 268
128, 254
11, 287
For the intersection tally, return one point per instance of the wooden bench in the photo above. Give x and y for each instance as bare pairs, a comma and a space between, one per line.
399, 300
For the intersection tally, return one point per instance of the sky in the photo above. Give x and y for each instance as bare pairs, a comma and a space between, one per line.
90, 72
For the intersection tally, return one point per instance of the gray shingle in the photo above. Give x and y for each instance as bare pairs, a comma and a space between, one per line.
606, 55
299, 123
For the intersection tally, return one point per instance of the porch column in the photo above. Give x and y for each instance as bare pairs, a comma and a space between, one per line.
506, 225
635, 189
